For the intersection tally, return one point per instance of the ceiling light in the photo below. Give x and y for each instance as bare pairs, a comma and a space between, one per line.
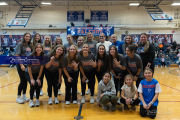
175, 4
134, 4
3, 3
45, 3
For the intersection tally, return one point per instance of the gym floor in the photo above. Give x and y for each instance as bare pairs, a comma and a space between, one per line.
168, 109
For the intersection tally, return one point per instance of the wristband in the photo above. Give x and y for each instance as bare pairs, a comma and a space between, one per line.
152, 103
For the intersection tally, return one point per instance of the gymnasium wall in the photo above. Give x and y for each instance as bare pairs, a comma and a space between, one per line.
135, 20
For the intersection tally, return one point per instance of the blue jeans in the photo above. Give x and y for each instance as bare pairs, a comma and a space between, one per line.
168, 63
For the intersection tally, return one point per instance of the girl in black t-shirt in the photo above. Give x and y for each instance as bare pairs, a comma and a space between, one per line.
70, 68
87, 67
53, 71
102, 62
33, 74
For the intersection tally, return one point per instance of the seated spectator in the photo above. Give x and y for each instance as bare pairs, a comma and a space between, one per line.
157, 49
168, 50
1, 51
163, 61
156, 54
178, 55
156, 44
174, 56
167, 60
161, 52
161, 46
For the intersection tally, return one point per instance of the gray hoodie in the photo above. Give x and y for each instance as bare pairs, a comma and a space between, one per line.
108, 89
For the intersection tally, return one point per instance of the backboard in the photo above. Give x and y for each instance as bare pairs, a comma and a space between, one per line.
18, 22
161, 17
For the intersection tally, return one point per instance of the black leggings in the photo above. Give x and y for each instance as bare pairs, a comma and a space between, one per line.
136, 102
52, 80
72, 85
151, 112
33, 87
42, 77
138, 82
99, 75
23, 81
163, 63
91, 77
119, 82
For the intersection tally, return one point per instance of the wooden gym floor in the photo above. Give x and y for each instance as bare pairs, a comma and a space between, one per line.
168, 109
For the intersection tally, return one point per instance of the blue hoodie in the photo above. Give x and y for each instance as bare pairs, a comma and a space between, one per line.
118, 45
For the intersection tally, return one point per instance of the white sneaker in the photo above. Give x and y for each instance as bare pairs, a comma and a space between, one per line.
81, 93
88, 92
56, 101
37, 103
77, 91
165, 66
47, 94
19, 100
83, 99
35, 94
179, 65
92, 99
59, 92
41, 93
67, 102
161, 66
118, 102
50, 101
25, 98
31, 103
75, 102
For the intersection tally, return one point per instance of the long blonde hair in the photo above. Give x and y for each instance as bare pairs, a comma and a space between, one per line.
55, 44
50, 42
132, 85
75, 56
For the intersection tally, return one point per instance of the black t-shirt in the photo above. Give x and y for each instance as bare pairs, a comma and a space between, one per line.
55, 65
85, 62
68, 66
105, 64
122, 63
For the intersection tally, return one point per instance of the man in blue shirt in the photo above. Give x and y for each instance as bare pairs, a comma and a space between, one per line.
117, 43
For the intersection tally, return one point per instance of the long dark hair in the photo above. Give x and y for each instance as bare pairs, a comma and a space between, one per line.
39, 41
75, 56
81, 52
53, 52
110, 56
104, 55
24, 42
34, 53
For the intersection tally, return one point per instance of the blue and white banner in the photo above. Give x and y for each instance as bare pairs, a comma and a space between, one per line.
99, 16
82, 31
75, 16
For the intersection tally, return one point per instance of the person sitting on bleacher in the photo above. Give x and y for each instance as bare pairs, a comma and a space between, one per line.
168, 50
167, 60
163, 61
161, 46
174, 56
178, 55
161, 52
1, 51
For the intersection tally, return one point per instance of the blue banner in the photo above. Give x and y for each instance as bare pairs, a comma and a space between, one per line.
23, 59
103, 16
75, 16
82, 31
99, 16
